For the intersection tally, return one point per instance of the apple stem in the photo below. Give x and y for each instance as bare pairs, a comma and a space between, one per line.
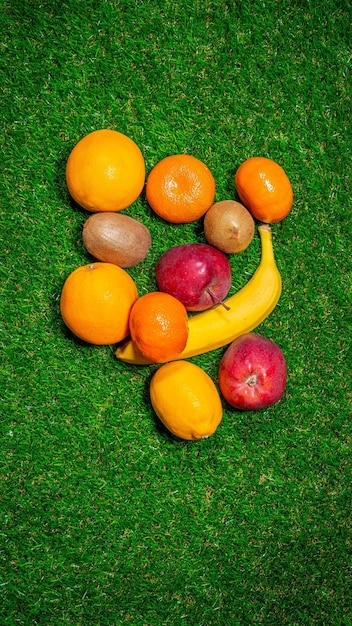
217, 299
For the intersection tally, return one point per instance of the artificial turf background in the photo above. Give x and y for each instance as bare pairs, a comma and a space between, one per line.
105, 518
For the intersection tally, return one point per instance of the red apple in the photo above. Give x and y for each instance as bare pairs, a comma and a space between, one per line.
252, 373
197, 274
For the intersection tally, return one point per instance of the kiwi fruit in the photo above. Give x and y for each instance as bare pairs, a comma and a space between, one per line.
228, 226
116, 238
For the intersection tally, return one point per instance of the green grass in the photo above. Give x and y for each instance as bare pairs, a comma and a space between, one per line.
105, 518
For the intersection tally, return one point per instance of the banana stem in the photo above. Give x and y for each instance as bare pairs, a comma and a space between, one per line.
264, 226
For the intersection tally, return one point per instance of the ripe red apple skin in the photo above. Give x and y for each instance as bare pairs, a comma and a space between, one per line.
252, 373
187, 271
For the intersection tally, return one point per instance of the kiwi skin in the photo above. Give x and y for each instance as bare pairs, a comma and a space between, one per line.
116, 238
228, 226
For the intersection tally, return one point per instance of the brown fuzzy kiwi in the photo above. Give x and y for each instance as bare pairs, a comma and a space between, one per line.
228, 226
116, 238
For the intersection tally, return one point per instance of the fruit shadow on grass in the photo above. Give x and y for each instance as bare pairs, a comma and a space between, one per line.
75, 341
82, 216
145, 396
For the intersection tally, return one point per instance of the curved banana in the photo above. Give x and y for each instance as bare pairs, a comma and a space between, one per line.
218, 326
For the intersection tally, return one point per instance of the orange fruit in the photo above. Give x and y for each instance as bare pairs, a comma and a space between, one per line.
159, 326
105, 171
180, 188
264, 188
95, 303
186, 400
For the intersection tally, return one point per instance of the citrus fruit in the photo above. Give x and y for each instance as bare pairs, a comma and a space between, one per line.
105, 171
180, 188
264, 188
95, 303
186, 400
159, 326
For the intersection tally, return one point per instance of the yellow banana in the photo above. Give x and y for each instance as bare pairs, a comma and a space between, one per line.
244, 311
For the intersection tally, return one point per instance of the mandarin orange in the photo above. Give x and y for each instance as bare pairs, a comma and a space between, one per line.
180, 188
264, 188
159, 326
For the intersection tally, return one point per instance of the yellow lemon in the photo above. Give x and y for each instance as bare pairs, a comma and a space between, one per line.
186, 400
